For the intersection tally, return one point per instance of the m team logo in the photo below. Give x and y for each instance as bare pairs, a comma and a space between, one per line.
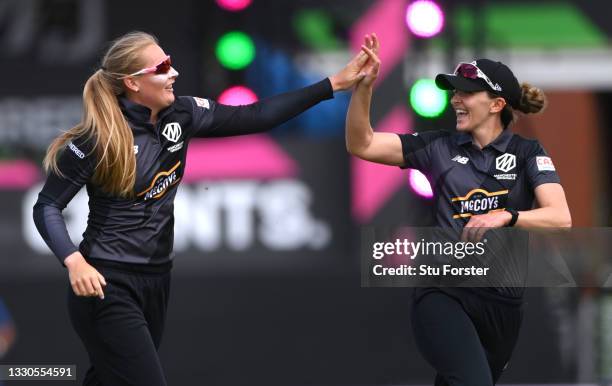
160, 184
505, 162
479, 201
172, 131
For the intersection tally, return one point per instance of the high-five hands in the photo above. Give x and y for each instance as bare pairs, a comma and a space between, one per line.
364, 65
372, 66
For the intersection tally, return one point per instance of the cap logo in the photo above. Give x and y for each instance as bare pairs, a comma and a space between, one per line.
495, 86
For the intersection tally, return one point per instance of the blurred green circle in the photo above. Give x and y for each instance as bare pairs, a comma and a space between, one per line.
235, 50
427, 99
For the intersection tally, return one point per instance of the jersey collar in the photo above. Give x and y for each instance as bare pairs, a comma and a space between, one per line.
500, 143
138, 113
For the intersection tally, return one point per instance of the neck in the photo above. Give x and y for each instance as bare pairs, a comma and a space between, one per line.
153, 118
486, 133
134, 97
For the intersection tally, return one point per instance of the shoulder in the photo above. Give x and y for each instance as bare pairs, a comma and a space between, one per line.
191, 104
81, 147
527, 146
426, 137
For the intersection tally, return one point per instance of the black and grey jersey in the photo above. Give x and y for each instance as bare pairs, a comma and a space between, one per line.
467, 180
139, 230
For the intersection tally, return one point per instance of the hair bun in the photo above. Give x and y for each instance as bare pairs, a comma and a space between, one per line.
532, 100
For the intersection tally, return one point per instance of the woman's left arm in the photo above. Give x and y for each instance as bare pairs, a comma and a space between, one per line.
552, 210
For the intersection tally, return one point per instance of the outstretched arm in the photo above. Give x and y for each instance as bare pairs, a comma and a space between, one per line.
361, 140
273, 111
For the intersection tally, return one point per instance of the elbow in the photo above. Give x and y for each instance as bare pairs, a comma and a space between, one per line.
37, 213
351, 148
566, 222
36, 210
357, 145
355, 150
42, 209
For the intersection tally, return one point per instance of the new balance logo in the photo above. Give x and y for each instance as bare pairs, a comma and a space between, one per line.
460, 159
172, 131
505, 162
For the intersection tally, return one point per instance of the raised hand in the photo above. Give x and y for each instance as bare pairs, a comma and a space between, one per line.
372, 66
350, 74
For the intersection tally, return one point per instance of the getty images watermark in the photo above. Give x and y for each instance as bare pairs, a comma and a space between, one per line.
436, 249
509, 258
416, 257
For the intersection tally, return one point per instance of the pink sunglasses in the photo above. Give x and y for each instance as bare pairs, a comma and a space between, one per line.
162, 68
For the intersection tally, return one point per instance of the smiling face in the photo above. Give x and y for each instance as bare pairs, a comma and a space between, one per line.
152, 90
475, 109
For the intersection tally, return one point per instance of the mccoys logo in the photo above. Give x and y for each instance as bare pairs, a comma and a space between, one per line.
479, 201
161, 183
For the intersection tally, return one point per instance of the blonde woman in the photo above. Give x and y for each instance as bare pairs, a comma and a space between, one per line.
129, 150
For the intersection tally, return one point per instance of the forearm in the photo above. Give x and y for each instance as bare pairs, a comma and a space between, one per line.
52, 227
267, 113
548, 217
359, 131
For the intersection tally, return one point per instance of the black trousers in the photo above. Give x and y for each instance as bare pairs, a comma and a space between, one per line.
123, 332
467, 338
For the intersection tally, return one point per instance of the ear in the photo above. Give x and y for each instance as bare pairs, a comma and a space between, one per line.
497, 105
131, 84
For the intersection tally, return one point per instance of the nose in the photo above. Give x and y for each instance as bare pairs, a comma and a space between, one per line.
173, 73
455, 99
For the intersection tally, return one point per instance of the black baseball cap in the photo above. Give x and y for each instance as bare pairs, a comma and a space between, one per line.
502, 81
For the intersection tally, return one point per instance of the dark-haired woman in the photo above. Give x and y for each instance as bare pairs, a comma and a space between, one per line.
468, 334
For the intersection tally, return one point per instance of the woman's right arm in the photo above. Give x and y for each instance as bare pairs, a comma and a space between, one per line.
361, 140
57, 192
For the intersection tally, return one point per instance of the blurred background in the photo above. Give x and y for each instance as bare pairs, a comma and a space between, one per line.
266, 285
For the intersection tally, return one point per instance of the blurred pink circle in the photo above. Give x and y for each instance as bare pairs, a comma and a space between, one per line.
233, 5
424, 18
420, 184
237, 95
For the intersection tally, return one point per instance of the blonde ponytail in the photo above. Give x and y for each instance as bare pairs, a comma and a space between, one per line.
104, 123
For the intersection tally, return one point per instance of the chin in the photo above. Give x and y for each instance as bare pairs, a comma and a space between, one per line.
169, 100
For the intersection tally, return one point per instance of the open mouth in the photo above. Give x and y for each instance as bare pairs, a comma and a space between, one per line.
461, 113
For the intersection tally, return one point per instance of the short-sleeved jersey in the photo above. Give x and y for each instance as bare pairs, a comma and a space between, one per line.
467, 180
